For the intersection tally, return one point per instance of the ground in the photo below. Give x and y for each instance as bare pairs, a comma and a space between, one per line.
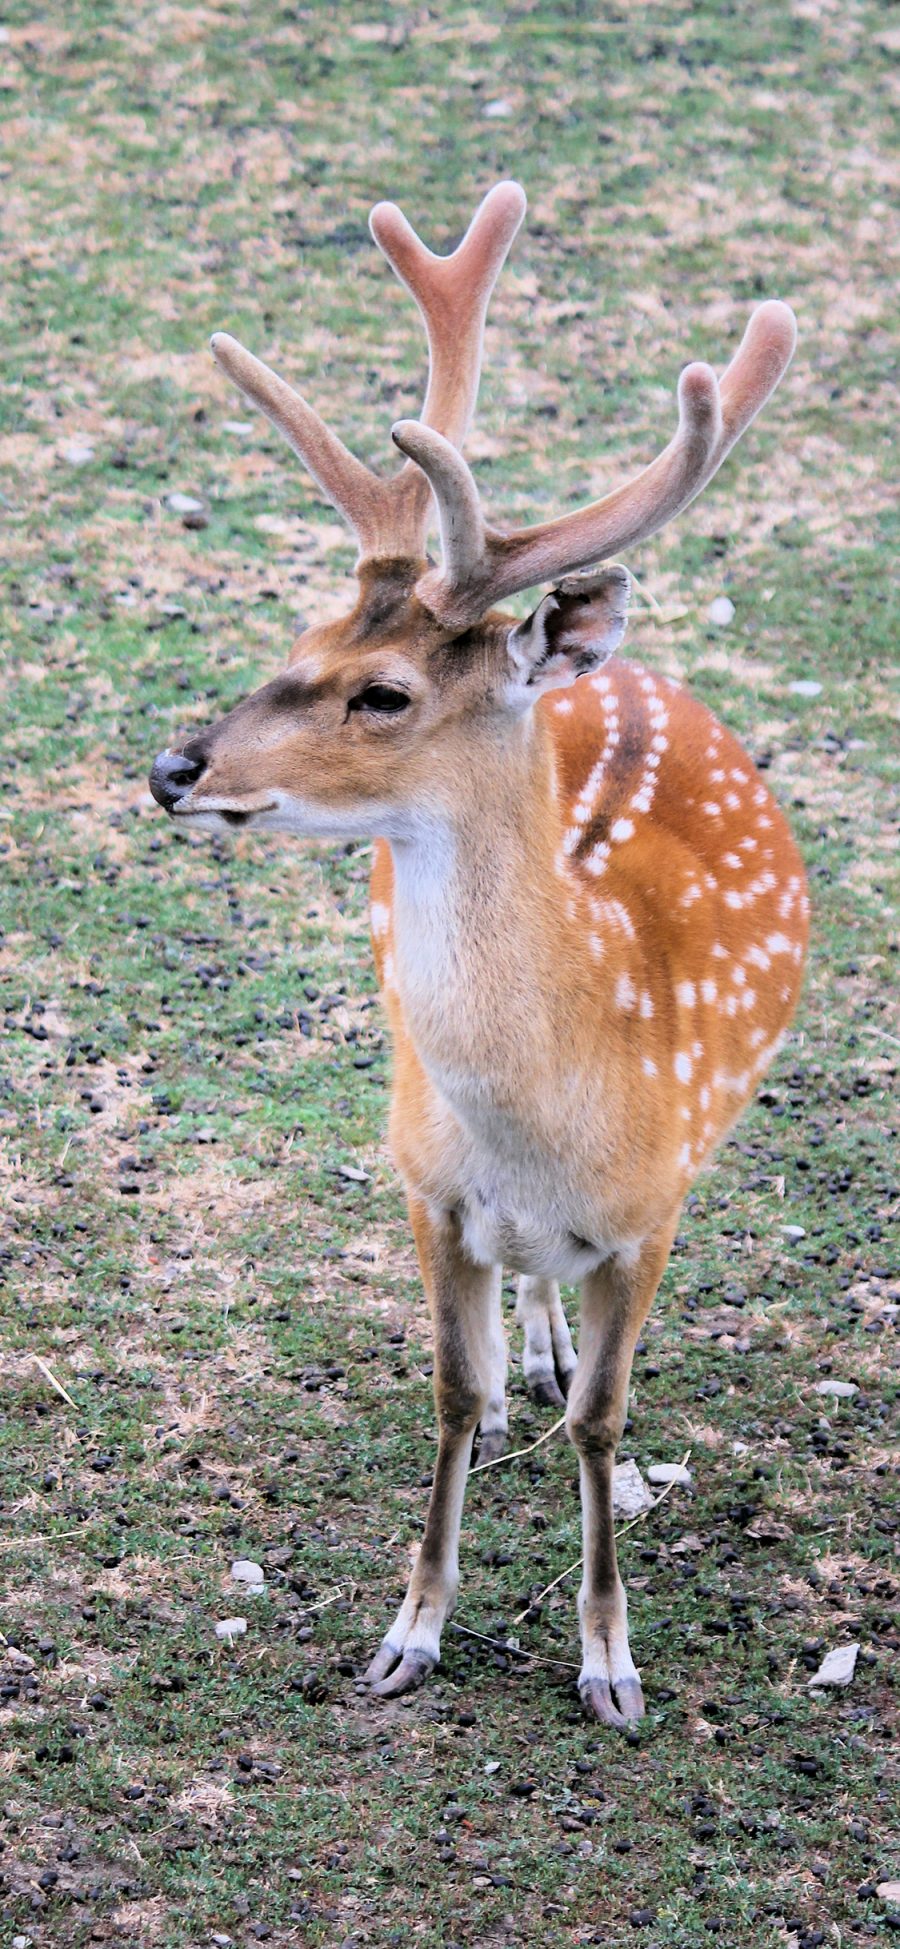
205, 1241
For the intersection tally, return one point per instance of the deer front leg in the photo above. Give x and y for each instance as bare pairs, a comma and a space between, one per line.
615, 1302
548, 1356
464, 1303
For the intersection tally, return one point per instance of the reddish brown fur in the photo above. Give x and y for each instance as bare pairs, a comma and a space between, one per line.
673, 848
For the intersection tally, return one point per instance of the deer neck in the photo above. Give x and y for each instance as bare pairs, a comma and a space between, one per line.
477, 926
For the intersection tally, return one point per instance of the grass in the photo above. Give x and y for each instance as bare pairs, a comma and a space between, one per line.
194, 1047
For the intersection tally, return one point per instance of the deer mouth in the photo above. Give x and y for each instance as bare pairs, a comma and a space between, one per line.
233, 815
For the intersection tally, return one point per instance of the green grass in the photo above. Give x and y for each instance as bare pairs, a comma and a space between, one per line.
194, 1046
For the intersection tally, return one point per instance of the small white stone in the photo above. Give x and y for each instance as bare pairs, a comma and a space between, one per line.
888, 1891
251, 1574
794, 1231
721, 611
498, 111
78, 453
184, 504
229, 1628
660, 1473
354, 1175
837, 1667
630, 1494
842, 1390
22, 1941
805, 687
19, 1660
492, 1766
237, 426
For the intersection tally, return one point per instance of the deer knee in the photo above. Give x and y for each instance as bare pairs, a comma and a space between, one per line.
460, 1404
595, 1427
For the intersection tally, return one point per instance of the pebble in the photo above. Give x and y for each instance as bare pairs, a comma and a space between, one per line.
662, 1472
237, 426
184, 504
630, 1494
794, 1231
229, 1628
498, 111
805, 687
837, 1667
721, 611
842, 1390
354, 1175
246, 1572
19, 1660
888, 1891
78, 453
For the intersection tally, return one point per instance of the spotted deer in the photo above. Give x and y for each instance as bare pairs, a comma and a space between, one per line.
588, 914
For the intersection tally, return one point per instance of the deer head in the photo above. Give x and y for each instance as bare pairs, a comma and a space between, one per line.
378, 717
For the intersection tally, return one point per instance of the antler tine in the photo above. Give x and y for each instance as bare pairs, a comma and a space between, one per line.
344, 480
482, 565
763, 356
464, 534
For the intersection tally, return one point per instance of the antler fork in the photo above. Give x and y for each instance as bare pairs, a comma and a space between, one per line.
390, 516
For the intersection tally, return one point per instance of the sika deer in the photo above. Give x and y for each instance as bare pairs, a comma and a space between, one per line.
589, 916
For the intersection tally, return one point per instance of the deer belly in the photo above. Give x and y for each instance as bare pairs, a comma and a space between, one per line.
536, 1240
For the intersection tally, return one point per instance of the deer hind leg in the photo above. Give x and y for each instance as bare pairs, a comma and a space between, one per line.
548, 1356
615, 1302
464, 1303
493, 1427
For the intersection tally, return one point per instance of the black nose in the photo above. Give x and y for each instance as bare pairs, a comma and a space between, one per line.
173, 774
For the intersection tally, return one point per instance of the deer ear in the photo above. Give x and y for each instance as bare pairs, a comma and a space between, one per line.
575, 629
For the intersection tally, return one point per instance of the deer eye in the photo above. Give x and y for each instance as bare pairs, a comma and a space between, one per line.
382, 698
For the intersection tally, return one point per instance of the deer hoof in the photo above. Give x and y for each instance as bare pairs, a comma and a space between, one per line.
598, 1702
630, 1699
546, 1393
412, 1671
386, 1657
491, 1446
